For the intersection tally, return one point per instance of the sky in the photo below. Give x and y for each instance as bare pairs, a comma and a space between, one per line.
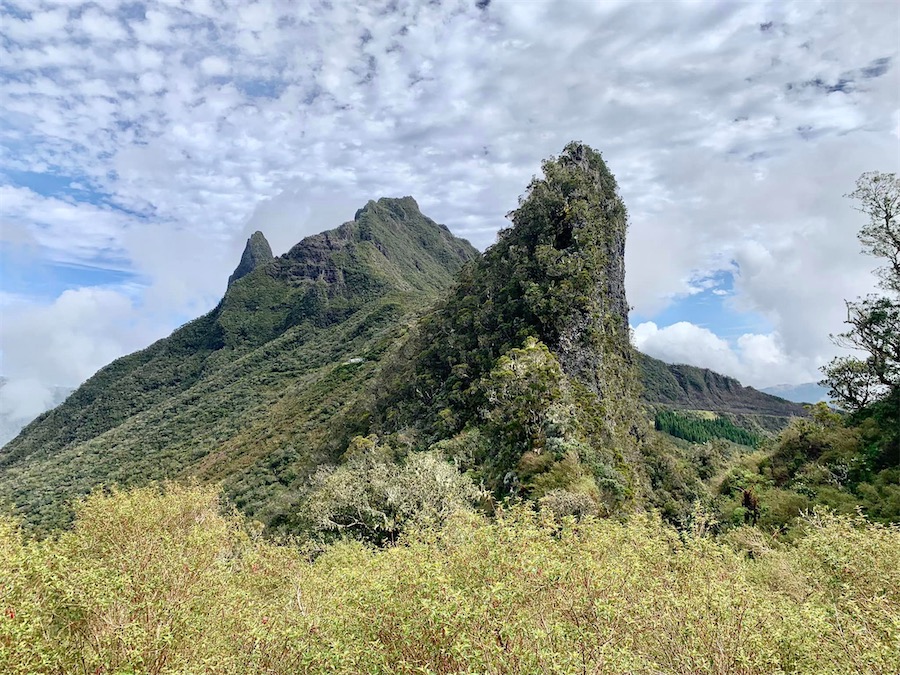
141, 143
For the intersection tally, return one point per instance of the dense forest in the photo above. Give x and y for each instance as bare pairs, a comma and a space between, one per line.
698, 429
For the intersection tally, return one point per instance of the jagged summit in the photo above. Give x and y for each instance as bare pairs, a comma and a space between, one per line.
257, 252
402, 207
389, 242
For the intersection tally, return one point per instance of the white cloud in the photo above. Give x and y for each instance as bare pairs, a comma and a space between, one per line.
214, 66
66, 341
758, 360
23, 400
733, 130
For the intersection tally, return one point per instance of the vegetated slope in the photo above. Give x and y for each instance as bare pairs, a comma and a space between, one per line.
250, 392
683, 387
524, 373
846, 463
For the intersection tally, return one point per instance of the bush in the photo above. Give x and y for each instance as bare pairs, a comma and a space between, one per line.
166, 581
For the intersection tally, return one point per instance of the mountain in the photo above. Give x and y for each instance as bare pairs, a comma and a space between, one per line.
524, 373
684, 387
808, 392
251, 393
381, 363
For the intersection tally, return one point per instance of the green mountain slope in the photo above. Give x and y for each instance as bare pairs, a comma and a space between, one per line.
323, 372
248, 393
668, 387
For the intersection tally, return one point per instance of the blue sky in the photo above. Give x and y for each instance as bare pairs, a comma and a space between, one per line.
142, 142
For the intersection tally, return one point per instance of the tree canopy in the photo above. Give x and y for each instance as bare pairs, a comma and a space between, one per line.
874, 321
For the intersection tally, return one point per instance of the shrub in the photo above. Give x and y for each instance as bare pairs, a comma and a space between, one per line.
166, 581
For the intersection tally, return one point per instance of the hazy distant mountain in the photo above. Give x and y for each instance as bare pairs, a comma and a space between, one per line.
808, 392
12, 418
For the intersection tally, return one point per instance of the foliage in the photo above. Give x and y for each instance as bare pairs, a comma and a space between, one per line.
825, 460
376, 493
553, 276
700, 430
679, 474
167, 582
875, 320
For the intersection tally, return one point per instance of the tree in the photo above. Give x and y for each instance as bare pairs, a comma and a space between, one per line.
874, 320
879, 197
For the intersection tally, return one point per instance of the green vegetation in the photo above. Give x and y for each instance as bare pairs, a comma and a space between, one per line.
523, 374
826, 460
875, 320
166, 583
254, 393
696, 429
851, 462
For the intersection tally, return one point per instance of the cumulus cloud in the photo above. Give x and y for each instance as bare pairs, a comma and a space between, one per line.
753, 359
66, 341
154, 137
24, 399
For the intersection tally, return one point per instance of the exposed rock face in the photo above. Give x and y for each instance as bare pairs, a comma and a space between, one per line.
257, 252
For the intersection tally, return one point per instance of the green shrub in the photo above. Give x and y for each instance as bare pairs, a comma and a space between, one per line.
166, 581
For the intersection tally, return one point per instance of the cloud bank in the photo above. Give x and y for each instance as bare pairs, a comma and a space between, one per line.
147, 140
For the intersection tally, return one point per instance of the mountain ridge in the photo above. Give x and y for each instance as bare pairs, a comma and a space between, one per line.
276, 341
515, 365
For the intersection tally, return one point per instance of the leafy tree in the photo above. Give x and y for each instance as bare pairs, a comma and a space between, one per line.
875, 320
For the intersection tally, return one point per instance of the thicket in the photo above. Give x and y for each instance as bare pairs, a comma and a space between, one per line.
845, 463
153, 581
700, 430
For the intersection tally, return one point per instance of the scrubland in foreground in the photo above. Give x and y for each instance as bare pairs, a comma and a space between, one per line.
167, 581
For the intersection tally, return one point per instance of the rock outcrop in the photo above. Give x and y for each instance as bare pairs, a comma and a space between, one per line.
257, 252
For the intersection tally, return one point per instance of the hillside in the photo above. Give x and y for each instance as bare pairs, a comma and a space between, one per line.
383, 369
682, 387
249, 392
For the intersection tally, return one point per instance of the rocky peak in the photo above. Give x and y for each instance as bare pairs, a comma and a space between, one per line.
257, 252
